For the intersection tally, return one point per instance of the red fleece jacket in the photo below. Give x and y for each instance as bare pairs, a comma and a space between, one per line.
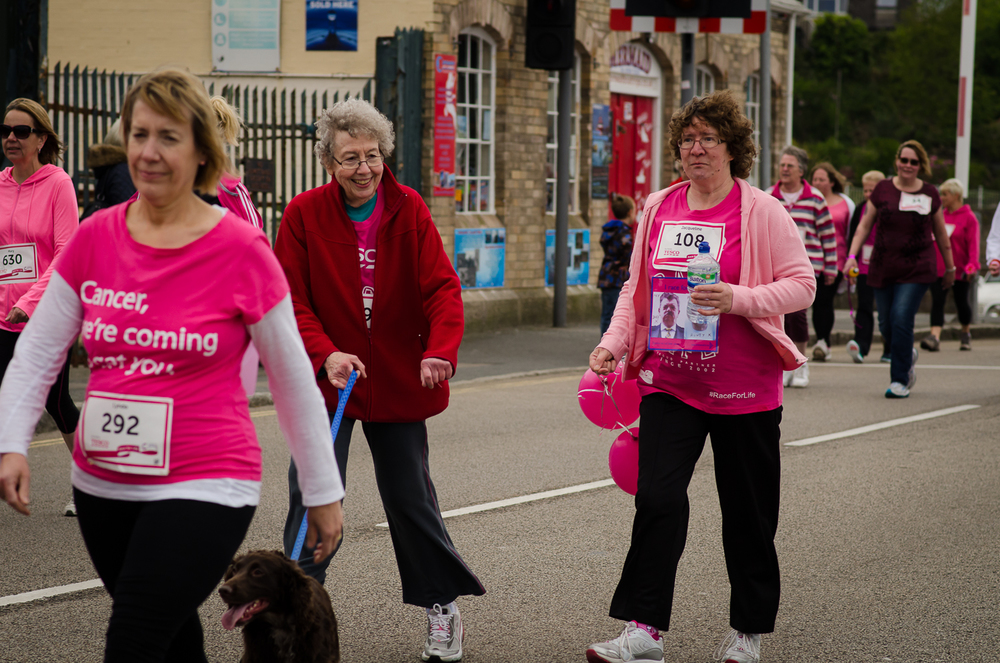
417, 311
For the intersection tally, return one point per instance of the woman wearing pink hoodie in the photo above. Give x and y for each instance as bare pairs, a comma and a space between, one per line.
733, 391
38, 215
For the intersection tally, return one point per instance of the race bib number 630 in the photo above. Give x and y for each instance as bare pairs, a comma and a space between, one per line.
128, 434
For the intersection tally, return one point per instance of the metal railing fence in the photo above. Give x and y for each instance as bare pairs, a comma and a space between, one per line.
278, 140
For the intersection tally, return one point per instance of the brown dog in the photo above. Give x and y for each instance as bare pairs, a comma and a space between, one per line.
286, 615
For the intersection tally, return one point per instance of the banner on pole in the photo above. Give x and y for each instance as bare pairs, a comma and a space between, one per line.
445, 112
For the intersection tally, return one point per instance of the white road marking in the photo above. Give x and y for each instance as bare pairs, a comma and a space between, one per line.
879, 426
50, 592
534, 497
922, 367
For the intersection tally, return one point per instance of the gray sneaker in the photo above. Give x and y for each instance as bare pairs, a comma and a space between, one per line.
444, 635
634, 644
739, 647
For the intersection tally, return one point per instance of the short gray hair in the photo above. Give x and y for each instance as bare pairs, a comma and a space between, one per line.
801, 155
358, 118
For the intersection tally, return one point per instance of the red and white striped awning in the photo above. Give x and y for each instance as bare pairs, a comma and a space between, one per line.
731, 26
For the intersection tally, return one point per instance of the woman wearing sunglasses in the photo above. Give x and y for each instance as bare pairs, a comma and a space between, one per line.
38, 215
903, 263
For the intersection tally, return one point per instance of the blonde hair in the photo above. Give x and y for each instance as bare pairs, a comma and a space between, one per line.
51, 151
873, 176
114, 135
181, 96
358, 118
953, 186
230, 124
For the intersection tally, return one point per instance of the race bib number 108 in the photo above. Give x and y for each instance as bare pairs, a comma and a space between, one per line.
128, 434
678, 242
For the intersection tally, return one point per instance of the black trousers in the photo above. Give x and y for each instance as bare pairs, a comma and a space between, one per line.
962, 305
823, 315
430, 569
864, 316
747, 473
159, 561
59, 404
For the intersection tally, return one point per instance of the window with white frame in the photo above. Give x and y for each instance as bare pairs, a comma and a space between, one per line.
704, 81
552, 141
753, 113
474, 177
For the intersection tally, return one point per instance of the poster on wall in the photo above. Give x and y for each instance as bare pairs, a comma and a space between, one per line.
600, 151
245, 35
578, 270
331, 25
479, 256
445, 97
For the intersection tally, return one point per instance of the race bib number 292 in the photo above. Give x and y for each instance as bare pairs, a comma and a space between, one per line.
678, 242
128, 434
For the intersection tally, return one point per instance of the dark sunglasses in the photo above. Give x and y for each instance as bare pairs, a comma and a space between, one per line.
909, 162
20, 132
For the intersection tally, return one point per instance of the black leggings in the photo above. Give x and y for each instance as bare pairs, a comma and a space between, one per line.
823, 315
938, 297
59, 404
159, 561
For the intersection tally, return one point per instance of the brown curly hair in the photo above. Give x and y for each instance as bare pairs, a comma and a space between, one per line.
721, 110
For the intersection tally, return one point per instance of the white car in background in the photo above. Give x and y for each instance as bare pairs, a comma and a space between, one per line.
988, 294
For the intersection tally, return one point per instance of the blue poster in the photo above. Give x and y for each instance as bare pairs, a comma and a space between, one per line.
578, 270
331, 25
600, 150
479, 256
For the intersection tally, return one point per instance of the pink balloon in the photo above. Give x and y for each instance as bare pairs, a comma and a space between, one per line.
623, 461
608, 401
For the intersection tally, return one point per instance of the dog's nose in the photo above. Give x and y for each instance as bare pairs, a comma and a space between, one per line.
225, 591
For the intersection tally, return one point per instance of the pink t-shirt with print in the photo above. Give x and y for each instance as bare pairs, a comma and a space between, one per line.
367, 232
172, 324
744, 375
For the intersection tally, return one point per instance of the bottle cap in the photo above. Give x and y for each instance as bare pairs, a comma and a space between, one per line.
703, 247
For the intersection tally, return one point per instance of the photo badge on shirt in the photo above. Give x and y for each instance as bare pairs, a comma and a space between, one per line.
671, 328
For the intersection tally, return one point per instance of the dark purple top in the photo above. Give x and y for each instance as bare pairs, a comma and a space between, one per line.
904, 238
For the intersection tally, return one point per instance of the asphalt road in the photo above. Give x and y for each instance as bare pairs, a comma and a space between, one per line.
889, 540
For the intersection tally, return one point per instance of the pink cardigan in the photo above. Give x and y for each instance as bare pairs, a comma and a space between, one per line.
776, 277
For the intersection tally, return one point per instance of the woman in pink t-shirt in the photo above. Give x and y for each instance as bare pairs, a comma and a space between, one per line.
830, 183
167, 292
733, 391
963, 229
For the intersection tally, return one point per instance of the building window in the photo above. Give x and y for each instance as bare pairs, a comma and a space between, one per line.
474, 179
753, 113
704, 81
552, 141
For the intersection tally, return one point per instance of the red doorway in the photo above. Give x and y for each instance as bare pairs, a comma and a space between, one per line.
631, 169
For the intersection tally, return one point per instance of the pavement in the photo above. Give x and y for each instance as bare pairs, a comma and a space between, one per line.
524, 351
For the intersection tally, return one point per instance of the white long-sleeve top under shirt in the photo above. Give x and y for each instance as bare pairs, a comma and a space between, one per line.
302, 417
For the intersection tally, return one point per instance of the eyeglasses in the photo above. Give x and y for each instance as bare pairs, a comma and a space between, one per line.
353, 163
909, 162
707, 142
20, 132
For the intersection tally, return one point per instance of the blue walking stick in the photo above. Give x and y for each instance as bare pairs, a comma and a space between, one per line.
343, 395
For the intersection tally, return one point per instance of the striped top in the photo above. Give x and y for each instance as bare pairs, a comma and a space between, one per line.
236, 198
815, 227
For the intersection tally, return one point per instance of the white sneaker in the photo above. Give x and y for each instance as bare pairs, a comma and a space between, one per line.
786, 379
444, 634
800, 377
70, 509
821, 351
897, 390
739, 647
913, 370
634, 644
854, 350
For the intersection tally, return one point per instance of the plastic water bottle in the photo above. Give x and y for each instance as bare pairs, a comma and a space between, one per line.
702, 269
